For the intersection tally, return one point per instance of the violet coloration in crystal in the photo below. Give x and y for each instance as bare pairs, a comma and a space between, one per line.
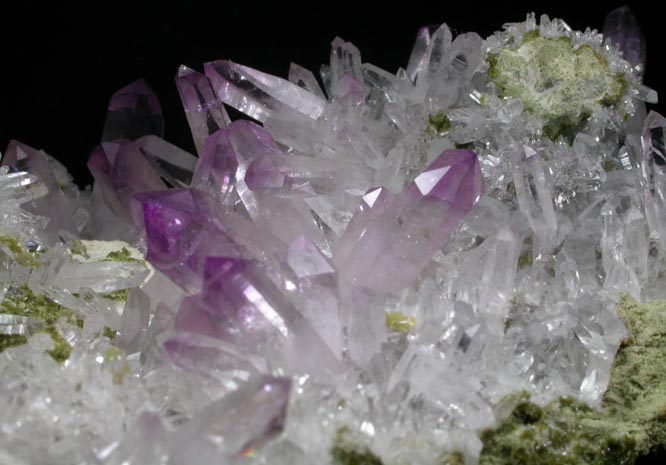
377, 269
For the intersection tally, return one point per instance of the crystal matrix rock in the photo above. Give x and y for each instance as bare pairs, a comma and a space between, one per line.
381, 268
392, 237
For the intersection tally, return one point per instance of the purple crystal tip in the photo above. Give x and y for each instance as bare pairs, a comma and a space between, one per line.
134, 111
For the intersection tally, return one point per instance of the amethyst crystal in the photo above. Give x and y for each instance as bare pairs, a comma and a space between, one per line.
392, 237
134, 111
205, 113
624, 31
240, 304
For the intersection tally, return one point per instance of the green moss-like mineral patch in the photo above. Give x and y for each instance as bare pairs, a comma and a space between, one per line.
11, 340
439, 122
78, 248
556, 82
631, 422
346, 451
120, 295
122, 255
456, 458
46, 313
19, 253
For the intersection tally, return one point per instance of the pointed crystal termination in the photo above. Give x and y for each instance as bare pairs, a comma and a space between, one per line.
391, 238
487, 273
240, 304
173, 164
619, 277
534, 193
418, 54
455, 68
306, 79
258, 94
134, 111
653, 166
132, 173
345, 59
624, 31
109, 218
653, 139
51, 204
205, 113
241, 421
222, 168
428, 54
180, 233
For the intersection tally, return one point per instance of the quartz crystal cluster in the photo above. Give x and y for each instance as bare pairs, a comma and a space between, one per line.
361, 273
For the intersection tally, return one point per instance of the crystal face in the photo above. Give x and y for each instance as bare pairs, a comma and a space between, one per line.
380, 269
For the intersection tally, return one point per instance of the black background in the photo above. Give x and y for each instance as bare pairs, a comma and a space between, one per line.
61, 63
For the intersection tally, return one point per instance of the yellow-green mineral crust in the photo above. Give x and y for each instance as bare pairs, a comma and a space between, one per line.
346, 451
555, 81
44, 312
630, 423
18, 252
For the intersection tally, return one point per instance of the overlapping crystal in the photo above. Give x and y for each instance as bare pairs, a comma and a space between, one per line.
388, 254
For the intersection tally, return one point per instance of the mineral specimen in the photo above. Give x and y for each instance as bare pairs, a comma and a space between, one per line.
421, 267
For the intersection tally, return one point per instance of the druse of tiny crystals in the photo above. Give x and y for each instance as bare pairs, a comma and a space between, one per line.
362, 273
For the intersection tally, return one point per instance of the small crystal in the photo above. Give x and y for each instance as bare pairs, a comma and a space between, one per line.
205, 113
134, 111
624, 31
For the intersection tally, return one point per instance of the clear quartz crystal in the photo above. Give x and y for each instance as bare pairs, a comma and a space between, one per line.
372, 268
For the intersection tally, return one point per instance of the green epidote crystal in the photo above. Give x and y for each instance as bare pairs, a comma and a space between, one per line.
120, 295
555, 82
399, 322
346, 451
630, 423
77, 248
122, 255
11, 340
18, 252
438, 122
22, 301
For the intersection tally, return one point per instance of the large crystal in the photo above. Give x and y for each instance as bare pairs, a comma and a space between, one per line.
623, 30
391, 237
205, 113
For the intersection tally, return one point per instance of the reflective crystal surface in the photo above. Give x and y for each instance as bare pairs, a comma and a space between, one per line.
372, 268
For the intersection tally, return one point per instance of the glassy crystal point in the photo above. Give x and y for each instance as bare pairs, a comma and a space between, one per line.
264, 173
653, 138
624, 31
240, 421
134, 111
204, 111
258, 94
180, 232
391, 238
